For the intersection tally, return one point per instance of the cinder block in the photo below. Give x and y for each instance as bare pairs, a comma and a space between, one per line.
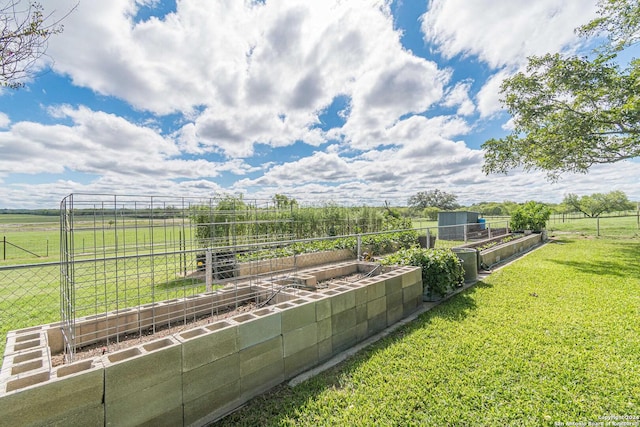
166, 312
204, 345
202, 380
393, 282
411, 305
394, 300
343, 301
303, 312
146, 405
25, 380
411, 275
411, 292
257, 382
253, 330
343, 321
209, 407
323, 309
377, 323
137, 369
26, 339
325, 350
299, 339
361, 294
362, 330
361, 314
376, 307
91, 329
395, 313
376, 289
325, 329
300, 361
72, 396
171, 418
255, 358
344, 339
22, 364
55, 338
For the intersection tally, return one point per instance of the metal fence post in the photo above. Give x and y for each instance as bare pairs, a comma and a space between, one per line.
209, 270
359, 250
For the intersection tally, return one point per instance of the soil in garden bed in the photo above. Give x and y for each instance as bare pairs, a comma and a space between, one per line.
139, 337
134, 338
482, 245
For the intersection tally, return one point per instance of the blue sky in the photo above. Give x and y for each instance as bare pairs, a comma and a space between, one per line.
354, 100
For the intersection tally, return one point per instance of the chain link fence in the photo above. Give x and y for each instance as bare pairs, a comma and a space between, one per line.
29, 296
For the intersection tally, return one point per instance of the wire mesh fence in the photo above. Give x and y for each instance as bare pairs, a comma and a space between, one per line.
29, 295
170, 261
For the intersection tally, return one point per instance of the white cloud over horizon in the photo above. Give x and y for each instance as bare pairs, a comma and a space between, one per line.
239, 96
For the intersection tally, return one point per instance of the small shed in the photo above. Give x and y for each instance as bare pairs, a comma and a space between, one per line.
451, 224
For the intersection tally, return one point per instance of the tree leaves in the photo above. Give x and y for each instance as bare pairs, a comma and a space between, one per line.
433, 198
598, 203
570, 112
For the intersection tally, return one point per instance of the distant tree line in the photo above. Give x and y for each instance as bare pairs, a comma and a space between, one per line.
427, 204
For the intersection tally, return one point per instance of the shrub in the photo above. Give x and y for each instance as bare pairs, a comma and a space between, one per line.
431, 213
530, 216
441, 269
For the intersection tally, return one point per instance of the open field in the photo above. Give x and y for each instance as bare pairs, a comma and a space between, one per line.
551, 338
627, 226
38, 242
28, 219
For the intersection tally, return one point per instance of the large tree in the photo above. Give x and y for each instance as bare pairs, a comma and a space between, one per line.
596, 204
24, 35
433, 198
571, 112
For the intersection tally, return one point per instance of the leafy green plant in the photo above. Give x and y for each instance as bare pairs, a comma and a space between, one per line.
376, 243
506, 239
441, 269
530, 216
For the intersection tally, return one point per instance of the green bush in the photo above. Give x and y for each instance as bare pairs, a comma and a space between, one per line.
431, 213
441, 269
530, 216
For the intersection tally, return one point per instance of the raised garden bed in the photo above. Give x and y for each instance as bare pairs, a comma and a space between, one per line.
199, 374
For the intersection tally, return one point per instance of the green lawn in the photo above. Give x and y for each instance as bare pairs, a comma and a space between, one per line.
552, 338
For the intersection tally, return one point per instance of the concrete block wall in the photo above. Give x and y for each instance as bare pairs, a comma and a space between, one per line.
493, 256
299, 261
201, 374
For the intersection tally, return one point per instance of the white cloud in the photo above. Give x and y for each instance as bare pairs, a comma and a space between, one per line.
102, 144
458, 96
4, 121
504, 32
247, 65
488, 97
239, 73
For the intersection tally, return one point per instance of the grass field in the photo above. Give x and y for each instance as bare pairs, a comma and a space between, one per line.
628, 226
37, 240
552, 338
